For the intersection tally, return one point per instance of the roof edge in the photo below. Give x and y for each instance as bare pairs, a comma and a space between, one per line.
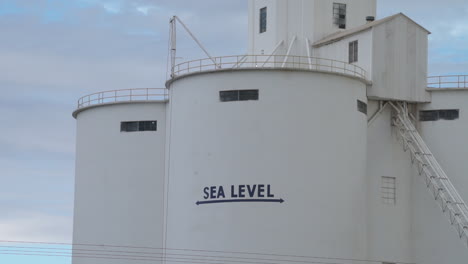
351, 32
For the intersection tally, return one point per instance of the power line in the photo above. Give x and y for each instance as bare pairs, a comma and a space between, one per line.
192, 250
172, 259
223, 258
69, 256
129, 258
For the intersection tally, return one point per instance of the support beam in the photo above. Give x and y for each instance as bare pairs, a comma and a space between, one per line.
196, 40
309, 53
273, 53
375, 115
240, 62
289, 51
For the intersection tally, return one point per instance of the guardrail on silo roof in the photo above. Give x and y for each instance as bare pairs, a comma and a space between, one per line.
124, 95
448, 82
269, 62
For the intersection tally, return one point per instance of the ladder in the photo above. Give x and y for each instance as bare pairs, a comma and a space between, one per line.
445, 194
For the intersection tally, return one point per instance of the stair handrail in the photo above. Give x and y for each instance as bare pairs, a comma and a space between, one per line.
436, 178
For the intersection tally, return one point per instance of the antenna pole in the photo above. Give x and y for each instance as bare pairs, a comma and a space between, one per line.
173, 44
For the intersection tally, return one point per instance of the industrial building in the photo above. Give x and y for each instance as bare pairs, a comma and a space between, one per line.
326, 143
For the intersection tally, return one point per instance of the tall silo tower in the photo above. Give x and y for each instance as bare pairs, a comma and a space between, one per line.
268, 150
277, 26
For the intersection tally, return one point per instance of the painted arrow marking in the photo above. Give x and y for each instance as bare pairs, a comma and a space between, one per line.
242, 201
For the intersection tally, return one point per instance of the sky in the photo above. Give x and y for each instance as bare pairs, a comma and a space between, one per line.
54, 51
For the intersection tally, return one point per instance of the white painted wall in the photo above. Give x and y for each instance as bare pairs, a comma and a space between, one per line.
263, 43
399, 61
339, 50
119, 179
393, 53
357, 11
389, 228
415, 230
304, 136
435, 240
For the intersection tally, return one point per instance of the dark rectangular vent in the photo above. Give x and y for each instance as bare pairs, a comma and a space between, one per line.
435, 115
263, 20
238, 95
362, 107
138, 126
388, 189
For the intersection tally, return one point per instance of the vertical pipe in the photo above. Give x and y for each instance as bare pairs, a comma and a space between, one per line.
173, 39
309, 53
302, 22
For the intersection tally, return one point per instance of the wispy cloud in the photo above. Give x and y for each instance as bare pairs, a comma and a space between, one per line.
36, 226
460, 29
114, 7
145, 9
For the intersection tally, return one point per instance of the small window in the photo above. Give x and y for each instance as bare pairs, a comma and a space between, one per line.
263, 20
238, 95
362, 107
388, 188
339, 15
128, 126
247, 95
138, 126
353, 51
434, 115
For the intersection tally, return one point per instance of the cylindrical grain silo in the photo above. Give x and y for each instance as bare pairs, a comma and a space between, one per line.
268, 160
443, 125
119, 184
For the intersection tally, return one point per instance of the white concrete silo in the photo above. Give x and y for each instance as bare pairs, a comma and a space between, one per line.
119, 182
304, 140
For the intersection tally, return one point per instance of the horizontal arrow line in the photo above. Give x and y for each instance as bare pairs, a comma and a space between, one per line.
242, 201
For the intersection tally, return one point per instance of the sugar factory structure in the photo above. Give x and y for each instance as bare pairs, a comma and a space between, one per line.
326, 143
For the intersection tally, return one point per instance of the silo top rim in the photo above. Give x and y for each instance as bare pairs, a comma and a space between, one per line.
135, 95
267, 62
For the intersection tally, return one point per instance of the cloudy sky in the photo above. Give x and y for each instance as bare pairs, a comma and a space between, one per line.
54, 51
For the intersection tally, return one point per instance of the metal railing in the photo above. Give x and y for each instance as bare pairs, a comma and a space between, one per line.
124, 95
448, 82
268, 62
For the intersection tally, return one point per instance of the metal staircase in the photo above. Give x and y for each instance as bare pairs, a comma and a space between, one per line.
445, 194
